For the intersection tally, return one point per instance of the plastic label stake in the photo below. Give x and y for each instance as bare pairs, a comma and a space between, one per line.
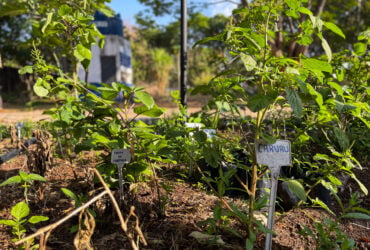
197, 126
274, 156
19, 126
120, 157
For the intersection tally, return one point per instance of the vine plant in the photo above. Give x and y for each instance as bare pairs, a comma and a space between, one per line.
264, 79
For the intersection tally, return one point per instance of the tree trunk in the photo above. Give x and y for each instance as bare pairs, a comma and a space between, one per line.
244, 3
295, 49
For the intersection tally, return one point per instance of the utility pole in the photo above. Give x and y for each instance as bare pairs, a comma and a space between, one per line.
183, 57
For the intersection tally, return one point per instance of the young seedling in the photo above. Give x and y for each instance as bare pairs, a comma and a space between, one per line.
19, 212
24, 179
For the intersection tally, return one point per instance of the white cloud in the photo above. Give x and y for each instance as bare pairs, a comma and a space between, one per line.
224, 8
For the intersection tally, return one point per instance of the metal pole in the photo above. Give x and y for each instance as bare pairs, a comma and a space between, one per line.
183, 57
270, 221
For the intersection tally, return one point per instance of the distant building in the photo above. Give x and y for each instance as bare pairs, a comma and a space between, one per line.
113, 62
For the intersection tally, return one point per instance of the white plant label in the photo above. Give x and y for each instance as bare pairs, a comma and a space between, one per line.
209, 132
193, 125
19, 126
277, 154
120, 156
274, 156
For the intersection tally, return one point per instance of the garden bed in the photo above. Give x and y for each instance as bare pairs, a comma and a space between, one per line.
187, 205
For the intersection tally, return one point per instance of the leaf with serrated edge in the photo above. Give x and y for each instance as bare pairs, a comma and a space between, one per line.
20, 210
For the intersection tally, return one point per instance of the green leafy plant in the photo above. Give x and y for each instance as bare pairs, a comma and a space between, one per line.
263, 77
24, 179
78, 199
20, 211
328, 235
353, 209
82, 119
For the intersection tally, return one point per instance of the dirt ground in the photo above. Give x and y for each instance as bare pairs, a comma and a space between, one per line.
187, 204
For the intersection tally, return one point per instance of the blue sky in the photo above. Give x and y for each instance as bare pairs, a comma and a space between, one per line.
129, 8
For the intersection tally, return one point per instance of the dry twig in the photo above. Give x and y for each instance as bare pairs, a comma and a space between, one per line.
48, 229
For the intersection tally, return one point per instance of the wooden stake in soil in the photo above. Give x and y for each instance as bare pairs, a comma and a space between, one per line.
274, 156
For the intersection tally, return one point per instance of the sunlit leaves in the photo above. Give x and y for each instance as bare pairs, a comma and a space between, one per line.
316, 65
145, 98
64, 10
294, 101
20, 210
334, 28
150, 112
365, 35
248, 61
360, 48
297, 188
41, 88
326, 48
83, 54
260, 101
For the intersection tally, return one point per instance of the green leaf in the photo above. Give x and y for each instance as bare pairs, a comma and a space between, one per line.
326, 48
153, 112
337, 87
145, 99
293, 4
342, 139
318, 97
11, 180
39, 89
114, 127
218, 37
315, 64
294, 101
306, 11
323, 205
69, 193
23, 175
64, 10
297, 188
305, 40
20, 210
360, 48
81, 52
48, 20
8, 222
291, 70
261, 101
26, 69
333, 27
334, 180
267, 139
360, 216
321, 157
362, 186
365, 35
200, 136
35, 177
248, 61
37, 219
99, 138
